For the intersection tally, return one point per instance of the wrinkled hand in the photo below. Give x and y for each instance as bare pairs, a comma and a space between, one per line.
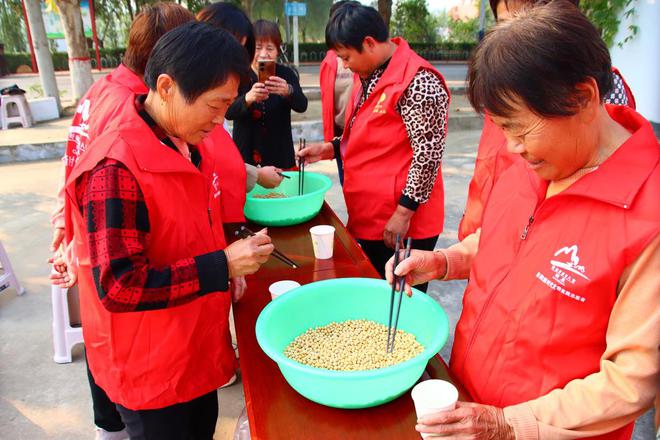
238, 287
278, 86
469, 421
268, 177
258, 93
316, 151
245, 256
420, 267
399, 223
64, 274
58, 236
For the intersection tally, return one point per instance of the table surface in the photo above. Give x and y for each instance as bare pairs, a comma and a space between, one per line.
277, 411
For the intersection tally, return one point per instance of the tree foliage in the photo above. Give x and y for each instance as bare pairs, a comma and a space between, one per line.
12, 29
413, 21
606, 16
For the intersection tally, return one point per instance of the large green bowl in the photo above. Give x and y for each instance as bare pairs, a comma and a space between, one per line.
293, 209
323, 302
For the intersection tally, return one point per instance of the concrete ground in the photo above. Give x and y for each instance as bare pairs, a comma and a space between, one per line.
40, 399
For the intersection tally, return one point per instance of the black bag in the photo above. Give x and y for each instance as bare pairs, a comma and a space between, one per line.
12, 90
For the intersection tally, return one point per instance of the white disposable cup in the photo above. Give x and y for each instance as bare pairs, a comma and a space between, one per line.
323, 240
432, 396
282, 287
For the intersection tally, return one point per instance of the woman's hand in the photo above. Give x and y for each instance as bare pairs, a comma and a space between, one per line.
58, 237
399, 224
246, 256
64, 274
316, 151
269, 176
237, 287
258, 93
420, 267
469, 421
278, 86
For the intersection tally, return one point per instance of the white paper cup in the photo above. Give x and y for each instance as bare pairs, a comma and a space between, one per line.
323, 240
432, 396
282, 287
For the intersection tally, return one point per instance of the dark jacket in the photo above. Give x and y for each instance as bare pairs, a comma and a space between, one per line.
265, 128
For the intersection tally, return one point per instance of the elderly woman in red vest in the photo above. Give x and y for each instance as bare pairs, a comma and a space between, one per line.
558, 337
394, 137
492, 157
154, 268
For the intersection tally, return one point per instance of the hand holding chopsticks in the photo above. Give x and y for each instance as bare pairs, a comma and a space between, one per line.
244, 232
245, 257
398, 284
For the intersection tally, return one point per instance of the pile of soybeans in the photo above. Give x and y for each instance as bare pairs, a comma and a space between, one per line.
272, 195
351, 346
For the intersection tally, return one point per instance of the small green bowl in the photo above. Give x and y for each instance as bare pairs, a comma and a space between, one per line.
293, 209
320, 303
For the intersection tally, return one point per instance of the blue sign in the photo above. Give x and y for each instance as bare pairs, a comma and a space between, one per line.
295, 9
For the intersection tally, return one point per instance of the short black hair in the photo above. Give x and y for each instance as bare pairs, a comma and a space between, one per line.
199, 57
231, 18
538, 57
352, 23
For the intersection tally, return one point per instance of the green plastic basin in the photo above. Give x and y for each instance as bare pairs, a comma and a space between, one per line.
293, 209
323, 302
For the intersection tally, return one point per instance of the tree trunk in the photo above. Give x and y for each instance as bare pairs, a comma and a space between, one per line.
385, 10
42, 53
80, 65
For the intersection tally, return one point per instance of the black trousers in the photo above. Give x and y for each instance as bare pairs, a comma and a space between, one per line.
340, 163
379, 254
106, 415
193, 420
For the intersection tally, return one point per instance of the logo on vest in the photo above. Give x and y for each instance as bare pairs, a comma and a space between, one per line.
379, 105
566, 270
216, 185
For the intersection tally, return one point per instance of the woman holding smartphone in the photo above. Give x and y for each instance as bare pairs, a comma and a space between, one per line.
262, 111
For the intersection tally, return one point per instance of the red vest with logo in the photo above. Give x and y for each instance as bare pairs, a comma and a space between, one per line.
231, 183
327, 76
96, 110
543, 284
377, 155
154, 359
492, 160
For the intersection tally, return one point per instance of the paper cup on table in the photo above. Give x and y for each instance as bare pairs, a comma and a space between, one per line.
323, 240
281, 287
432, 396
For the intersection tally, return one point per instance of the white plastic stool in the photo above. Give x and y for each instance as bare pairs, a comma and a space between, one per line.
23, 116
8, 278
64, 335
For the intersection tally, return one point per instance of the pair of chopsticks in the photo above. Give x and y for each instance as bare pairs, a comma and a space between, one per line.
244, 232
302, 144
391, 332
283, 175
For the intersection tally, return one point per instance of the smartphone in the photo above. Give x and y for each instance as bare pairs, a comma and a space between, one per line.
266, 69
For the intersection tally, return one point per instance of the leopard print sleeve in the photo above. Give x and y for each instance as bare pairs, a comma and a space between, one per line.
423, 108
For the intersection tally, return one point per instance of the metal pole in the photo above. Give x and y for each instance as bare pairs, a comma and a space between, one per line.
287, 30
296, 60
27, 27
96, 39
44, 60
482, 19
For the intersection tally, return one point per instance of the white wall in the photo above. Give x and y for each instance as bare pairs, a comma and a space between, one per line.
639, 59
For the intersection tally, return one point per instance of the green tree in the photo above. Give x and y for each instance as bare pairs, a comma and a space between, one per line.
12, 28
413, 21
606, 16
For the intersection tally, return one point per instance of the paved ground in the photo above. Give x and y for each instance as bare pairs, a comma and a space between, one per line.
43, 400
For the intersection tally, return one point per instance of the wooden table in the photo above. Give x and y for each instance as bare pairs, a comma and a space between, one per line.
277, 411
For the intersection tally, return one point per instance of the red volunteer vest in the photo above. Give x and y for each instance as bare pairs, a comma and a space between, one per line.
153, 359
537, 305
492, 160
97, 108
231, 184
377, 155
327, 76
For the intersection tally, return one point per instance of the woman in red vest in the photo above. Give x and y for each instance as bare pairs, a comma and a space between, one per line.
558, 337
394, 137
154, 269
96, 109
492, 157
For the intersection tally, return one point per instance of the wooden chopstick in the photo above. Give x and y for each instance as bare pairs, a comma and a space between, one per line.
277, 254
402, 281
283, 175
